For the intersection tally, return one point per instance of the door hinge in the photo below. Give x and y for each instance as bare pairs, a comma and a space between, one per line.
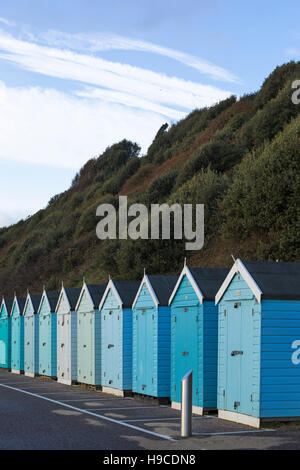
175, 319
224, 313
251, 397
224, 393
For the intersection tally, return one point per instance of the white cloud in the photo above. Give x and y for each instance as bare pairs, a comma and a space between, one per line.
10, 218
129, 100
7, 22
139, 82
97, 42
52, 128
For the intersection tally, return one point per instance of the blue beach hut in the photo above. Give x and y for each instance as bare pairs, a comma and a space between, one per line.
152, 337
5, 333
194, 335
17, 335
89, 334
31, 335
67, 335
259, 342
116, 336
48, 334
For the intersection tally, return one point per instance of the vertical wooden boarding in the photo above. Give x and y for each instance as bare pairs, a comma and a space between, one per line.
17, 336
5, 334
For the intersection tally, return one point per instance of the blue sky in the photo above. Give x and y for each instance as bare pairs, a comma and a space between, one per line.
77, 76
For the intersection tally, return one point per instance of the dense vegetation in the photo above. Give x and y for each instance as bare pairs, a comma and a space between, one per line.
241, 158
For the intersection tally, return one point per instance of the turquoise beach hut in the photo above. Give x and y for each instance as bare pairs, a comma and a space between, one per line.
152, 337
67, 335
194, 335
116, 336
31, 335
5, 333
89, 334
48, 334
259, 342
17, 335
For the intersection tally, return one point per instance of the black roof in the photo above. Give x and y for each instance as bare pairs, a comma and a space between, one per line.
209, 280
127, 291
53, 299
36, 300
73, 294
96, 292
163, 287
276, 280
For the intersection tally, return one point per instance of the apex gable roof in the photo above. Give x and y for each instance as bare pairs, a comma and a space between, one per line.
8, 305
205, 281
125, 292
160, 288
266, 279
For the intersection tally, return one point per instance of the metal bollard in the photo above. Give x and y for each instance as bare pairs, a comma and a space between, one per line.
186, 404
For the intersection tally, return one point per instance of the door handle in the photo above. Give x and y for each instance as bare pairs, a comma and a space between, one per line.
236, 404
185, 353
110, 346
236, 353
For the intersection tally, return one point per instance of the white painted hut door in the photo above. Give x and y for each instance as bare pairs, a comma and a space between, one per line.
2, 352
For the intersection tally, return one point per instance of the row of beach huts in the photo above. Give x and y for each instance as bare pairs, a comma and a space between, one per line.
238, 330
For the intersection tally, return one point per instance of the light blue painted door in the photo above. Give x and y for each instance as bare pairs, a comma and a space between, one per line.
111, 350
239, 358
186, 345
2, 353
15, 340
45, 345
29, 345
145, 352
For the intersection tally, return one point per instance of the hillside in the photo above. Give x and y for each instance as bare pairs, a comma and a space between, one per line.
241, 158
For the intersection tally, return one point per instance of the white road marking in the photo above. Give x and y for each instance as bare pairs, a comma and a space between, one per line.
87, 399
231, 432
151, 419
104, 418
127, 408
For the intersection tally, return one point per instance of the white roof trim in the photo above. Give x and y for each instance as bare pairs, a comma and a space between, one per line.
3, 302
239, 267
12, 307
109, 286
62, 292
150, 288
84, 289
41, 301
186, 272
28, 299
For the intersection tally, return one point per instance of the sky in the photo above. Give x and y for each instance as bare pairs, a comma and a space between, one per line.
79, 75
